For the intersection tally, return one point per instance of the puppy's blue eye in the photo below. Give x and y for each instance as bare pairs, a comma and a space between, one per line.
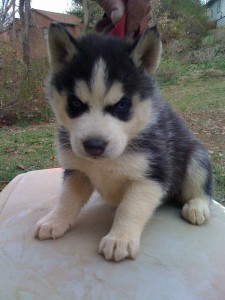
123, 104
75, 106
121, 110
76, 103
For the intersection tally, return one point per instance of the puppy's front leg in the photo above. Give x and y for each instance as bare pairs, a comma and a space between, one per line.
135, 209
75, 192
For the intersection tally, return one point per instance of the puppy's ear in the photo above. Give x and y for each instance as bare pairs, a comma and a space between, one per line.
147, 51
61, 45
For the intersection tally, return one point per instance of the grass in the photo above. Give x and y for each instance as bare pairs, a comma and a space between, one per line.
200, 101
24, 149
195, 94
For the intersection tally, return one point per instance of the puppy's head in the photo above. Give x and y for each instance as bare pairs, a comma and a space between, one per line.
100, 89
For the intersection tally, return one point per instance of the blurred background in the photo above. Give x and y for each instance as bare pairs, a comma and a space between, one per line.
191, 75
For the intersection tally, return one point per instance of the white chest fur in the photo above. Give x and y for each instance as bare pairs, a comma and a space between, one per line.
109, 177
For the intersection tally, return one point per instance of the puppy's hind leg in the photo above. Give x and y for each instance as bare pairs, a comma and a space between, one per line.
197, 189
75, 192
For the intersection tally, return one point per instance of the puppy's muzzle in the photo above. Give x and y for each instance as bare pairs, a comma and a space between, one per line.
94, 146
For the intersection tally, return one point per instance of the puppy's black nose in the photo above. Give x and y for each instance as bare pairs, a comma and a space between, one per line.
94, 146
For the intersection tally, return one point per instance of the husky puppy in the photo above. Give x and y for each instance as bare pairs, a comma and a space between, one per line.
116, 135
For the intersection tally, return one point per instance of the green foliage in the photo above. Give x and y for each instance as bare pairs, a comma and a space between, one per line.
208, 40
76, 10
94, 10
22, 89
171, 70
180, 61
214, 37
175, 68
180, 19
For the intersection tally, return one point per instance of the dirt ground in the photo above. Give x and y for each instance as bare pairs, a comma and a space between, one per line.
208, 126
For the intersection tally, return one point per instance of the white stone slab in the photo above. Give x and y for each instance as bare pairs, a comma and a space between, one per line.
176, 260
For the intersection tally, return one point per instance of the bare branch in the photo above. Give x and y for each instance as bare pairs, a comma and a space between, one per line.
5, 13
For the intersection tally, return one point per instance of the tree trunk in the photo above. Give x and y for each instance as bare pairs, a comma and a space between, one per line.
86, 15
14, 24
24, 10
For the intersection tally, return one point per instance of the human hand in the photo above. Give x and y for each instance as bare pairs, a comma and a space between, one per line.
138, 13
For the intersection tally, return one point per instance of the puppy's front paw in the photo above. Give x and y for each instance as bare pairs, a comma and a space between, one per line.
114, 248
51, 227
196, 211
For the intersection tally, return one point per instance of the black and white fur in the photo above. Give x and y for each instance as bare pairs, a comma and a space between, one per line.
116, 135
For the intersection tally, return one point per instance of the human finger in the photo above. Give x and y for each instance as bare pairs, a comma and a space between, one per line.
138, 13
114, 9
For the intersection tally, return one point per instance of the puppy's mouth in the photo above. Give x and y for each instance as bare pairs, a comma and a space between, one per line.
92, 157
105, 156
